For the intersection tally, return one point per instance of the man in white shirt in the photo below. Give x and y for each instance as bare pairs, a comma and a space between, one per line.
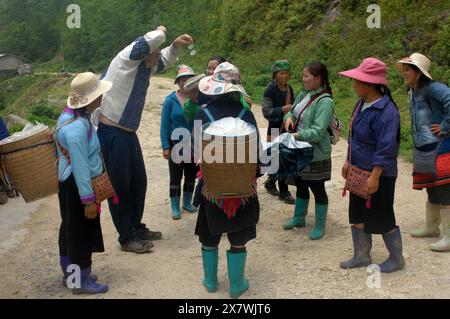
119, 117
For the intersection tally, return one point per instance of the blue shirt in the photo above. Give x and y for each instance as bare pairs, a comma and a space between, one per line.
172, 118
80, 140
423, 115
374, 137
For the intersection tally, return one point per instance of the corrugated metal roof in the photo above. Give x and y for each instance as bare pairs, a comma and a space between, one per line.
15, 56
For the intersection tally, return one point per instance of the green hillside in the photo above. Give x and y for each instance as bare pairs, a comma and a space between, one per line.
252, 34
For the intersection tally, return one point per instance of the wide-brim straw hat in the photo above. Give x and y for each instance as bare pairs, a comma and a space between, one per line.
371, 70
184, 70
86, 88
419, 60
226, 79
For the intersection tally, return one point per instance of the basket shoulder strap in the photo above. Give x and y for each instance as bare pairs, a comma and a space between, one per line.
241, 115
208, 114
63, 150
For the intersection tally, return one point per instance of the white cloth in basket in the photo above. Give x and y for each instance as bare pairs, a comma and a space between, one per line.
230, 126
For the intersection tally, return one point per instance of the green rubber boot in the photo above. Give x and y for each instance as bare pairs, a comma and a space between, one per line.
236, 268
300, 212
319, 226
210, 261
175, 204
187, 202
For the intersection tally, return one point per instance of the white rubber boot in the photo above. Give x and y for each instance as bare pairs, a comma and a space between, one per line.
431, 227
444, 243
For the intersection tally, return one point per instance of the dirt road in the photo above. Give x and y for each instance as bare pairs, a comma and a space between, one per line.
281, 264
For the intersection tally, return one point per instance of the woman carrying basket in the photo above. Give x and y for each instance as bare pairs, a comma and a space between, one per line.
79, 162
312, 114
429, 105
373, 148
235, 217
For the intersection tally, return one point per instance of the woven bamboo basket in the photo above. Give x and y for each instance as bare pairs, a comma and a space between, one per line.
31, 164
232, 175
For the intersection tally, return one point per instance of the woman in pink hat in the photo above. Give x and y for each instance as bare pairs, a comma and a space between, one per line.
429, 105
373, 147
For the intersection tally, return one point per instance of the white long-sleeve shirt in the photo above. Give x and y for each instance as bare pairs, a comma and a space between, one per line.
130, 76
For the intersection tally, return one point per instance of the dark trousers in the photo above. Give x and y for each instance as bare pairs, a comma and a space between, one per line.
318, 189
79, 237
176, 174
125, 164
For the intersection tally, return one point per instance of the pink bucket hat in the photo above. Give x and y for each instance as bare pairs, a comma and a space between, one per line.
226, 79
371, 70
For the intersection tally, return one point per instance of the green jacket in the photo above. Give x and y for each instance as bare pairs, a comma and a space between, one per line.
316, 120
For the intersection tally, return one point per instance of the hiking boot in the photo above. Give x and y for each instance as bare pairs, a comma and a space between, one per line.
287, 198
137, 246
271, 188
146, 234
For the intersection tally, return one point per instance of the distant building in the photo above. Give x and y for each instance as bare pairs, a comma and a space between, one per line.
10, 65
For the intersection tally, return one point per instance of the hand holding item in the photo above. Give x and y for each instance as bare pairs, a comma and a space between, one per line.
184, 39
90, 211
289, 125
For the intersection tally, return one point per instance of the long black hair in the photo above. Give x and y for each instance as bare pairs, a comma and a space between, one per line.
383, 90
317, 68
217, 58
424, 81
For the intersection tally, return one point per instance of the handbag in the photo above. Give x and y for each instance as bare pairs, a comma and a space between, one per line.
425, 161
103, 188
356, 179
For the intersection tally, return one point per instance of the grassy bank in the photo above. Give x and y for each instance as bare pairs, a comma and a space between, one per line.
36, 98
